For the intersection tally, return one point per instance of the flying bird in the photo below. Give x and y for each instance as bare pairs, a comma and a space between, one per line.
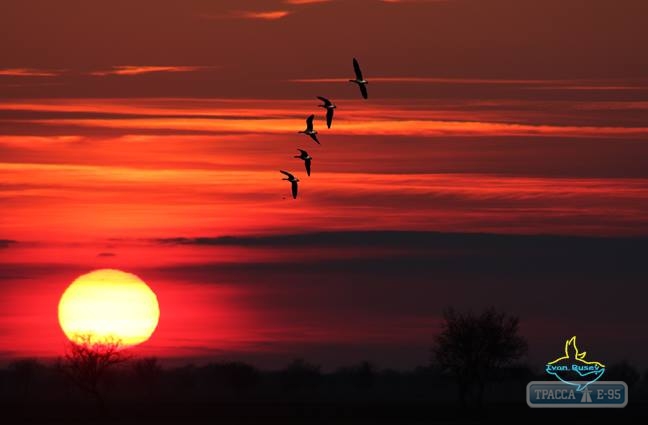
293, 182
359, 79
309, 129
307, 159
329, 106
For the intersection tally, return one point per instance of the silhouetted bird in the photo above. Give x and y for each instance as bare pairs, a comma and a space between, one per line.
309, 129
293, 181
359, 80
329, 106
307, 159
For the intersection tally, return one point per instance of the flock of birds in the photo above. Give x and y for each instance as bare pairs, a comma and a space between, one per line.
312, 133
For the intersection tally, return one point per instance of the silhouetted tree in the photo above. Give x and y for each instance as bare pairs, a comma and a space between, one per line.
301, 375
86, 361
622, 372
148, 371
471, 346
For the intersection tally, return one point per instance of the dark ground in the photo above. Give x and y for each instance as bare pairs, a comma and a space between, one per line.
235, 393
320, 412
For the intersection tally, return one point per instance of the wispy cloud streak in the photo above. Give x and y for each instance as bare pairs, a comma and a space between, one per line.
302, 2
263, 15
142, 201
507, 166
144, 69
558, 119
29, 72
413, 127
539, 84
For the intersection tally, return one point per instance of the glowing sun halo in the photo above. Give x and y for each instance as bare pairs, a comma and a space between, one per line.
109, 304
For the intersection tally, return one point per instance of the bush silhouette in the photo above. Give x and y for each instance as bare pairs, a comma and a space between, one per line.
148, 371
300, 375
622, 371
237, 376
362, 376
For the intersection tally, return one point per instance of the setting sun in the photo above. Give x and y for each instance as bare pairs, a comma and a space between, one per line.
109, 304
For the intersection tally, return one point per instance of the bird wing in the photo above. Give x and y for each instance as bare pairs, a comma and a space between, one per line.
290, 176
303, 152
363, 90
309, 123
358, 71
329, 117
325, 100
294, 190
308, 166
314, 137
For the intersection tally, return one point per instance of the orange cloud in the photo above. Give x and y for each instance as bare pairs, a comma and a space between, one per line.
437, 80
414, 1
591, 87
144, 69
573, 84
300, 2
613, 105
84, 201
501, 118
28, 72
400, 127
399, 119
269, 16
93, 182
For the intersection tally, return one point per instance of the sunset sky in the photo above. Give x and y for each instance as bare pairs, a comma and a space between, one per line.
501, 159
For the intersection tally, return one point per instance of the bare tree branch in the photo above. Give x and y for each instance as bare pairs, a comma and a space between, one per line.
87, 359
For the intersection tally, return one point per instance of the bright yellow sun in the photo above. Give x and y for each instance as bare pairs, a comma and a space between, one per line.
109, 304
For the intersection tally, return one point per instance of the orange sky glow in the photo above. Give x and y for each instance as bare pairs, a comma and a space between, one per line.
489, 153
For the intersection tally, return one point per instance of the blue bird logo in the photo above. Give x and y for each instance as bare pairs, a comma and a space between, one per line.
573, 369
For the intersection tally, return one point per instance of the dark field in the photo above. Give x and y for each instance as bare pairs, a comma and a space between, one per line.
234, 393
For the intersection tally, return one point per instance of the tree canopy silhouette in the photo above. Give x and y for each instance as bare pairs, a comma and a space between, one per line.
471, 346
86, 361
